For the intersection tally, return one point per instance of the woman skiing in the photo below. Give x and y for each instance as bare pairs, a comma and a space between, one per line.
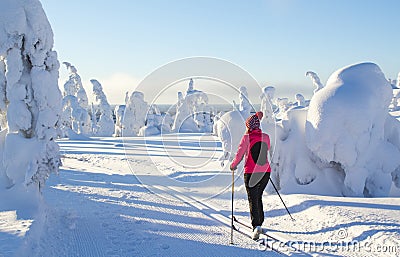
254, 147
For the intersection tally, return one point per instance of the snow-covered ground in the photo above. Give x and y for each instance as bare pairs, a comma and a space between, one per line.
169, 196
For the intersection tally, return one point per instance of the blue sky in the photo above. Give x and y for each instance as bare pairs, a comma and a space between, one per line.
120, 42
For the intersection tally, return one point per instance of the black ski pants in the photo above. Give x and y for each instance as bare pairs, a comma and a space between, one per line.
255, 184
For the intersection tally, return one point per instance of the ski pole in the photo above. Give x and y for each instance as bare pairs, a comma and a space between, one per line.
233, 190
276, 190
281, 199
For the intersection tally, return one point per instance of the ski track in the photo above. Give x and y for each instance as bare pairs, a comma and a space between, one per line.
122, 218
97, 207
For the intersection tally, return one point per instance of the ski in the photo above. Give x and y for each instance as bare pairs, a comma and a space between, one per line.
263, 244
241, 223
266, 241
237, 229
274, 238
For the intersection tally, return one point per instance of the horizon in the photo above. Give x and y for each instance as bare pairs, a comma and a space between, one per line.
277, 42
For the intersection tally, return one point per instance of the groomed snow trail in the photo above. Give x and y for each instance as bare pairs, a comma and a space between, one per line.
164, 197
97, 207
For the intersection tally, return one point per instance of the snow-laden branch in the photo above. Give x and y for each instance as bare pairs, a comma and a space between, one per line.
315, 80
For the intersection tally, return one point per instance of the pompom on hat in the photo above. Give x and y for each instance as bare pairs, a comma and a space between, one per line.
253, 122
260, 115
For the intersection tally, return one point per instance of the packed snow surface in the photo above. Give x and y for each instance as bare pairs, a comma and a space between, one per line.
166, 196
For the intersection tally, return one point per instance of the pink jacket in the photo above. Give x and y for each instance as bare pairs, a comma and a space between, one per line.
254, 147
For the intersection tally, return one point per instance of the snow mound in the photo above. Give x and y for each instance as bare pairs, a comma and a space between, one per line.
345, 127
148, 131
72, 135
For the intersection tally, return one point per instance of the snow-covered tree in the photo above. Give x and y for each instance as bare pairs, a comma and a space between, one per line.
166, 123
191, 114
75, 87
3, 98
152, 126
396, 100
291, 160
267, 96
196, 100
350, 131
315, 80
75, 113
74, 117
300, 100
101, 112
393, 83
29, 95
135, 114
344, 143
230, 126
395, 104
184, 121
208, 113
398, 81
119, 115
283, 106
244, 104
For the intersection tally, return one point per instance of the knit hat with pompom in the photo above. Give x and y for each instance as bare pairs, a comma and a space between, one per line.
253, 122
